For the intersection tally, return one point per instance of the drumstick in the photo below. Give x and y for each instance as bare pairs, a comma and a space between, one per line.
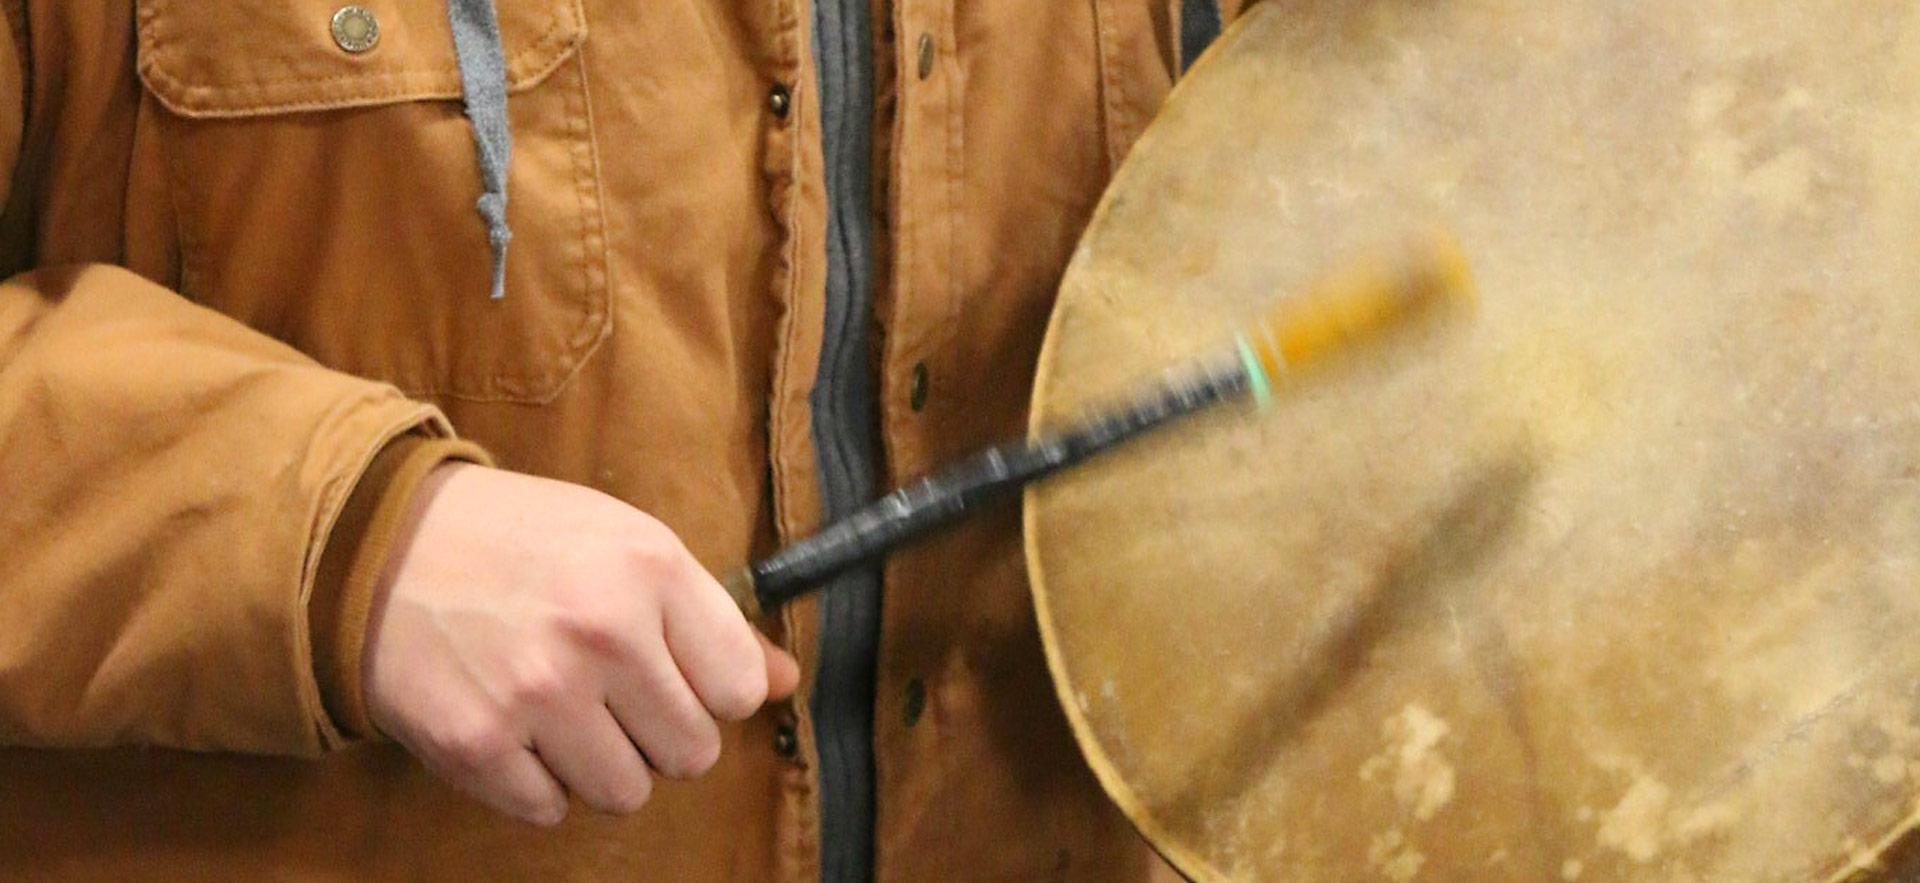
1299, 333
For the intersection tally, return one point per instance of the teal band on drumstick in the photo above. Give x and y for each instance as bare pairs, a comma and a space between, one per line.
1257, 382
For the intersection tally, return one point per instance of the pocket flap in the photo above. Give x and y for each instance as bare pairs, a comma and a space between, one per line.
227, 58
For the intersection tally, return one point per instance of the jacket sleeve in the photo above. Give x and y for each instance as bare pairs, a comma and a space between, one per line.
168, 477
358, 554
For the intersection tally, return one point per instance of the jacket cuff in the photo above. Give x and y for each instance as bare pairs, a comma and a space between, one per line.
355, 558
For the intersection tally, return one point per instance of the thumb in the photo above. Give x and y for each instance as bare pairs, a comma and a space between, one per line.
783, 673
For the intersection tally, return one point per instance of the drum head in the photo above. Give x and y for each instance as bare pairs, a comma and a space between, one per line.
1618, 581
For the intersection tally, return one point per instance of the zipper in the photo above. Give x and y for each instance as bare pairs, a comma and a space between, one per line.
845, 435
1199, 27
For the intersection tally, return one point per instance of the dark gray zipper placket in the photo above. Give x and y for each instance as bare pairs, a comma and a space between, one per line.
845, 440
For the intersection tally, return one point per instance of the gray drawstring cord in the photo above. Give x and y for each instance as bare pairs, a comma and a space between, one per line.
483, 82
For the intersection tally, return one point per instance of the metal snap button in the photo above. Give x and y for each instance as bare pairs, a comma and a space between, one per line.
355, 29
916, 701
779, 100
917, 387
786, 740
926, 56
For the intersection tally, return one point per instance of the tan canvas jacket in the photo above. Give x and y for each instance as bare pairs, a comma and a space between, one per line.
249, 263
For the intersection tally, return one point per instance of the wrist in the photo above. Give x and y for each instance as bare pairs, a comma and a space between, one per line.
355, 564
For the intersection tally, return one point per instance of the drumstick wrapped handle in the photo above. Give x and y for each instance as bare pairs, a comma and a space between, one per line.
1332, 316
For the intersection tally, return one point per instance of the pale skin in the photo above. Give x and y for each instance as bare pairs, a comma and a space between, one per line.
533, 639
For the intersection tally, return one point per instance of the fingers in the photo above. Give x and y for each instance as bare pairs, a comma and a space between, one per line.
499, 773
783, 672
520, 786
592, 756
709, 664
459, 735
661, 714
717, 651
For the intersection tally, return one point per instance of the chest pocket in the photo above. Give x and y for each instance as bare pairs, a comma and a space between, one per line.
324, 191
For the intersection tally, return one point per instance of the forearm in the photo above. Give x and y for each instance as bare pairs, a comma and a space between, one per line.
169, 478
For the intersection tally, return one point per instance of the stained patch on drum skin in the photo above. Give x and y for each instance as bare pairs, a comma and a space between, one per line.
1890, 759
1762, 140
1468, 526
1242, 854
1394, 857
1646, 822
1884, 768
1633, 826
1421, 777
1890, 770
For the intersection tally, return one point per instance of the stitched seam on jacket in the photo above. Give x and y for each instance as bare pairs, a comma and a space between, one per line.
155, 41
789, 254
900, 232
909, 254
1112, 98
899, 236
16, 15
805, 829
595, 269
595, 324
184, 97
785, 189
955, 181
180, 198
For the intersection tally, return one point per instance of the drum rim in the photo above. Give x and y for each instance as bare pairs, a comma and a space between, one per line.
1175, 850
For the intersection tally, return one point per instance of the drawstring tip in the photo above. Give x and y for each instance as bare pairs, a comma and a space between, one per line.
499, 271
493, 209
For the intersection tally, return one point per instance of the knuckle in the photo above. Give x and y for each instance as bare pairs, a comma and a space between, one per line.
593, 628
741, 693
649, 529
545, 813
629, 796
653, 551
706, 754
692, 756
473, 744
538, 683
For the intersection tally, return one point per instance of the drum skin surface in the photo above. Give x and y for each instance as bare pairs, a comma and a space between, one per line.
1615, 581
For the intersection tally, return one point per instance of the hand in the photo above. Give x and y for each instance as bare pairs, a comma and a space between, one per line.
532, 637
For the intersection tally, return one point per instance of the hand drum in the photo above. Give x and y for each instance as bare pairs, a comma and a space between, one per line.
1621, 581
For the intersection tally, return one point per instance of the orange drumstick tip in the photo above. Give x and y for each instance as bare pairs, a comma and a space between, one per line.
1426, 279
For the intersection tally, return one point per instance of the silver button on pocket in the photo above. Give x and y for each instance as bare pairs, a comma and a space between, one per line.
355, 29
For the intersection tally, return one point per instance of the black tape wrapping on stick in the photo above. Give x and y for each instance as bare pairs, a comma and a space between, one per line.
944, 497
